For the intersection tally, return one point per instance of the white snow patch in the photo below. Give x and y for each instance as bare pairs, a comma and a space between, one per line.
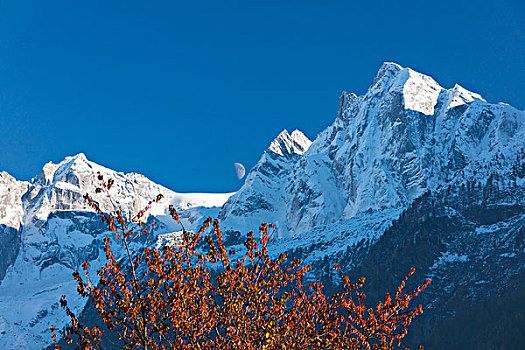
171, 239
458, 96
448, 258
420, 92
285, 143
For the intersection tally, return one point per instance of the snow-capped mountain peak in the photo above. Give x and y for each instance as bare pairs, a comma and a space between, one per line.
47, 230
11, 208
420, 92
387, 71
285, 143
60, 187
266, 185
6, 177
458, 95
405, 136
59, 172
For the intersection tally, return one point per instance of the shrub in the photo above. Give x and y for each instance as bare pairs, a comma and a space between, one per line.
186, 297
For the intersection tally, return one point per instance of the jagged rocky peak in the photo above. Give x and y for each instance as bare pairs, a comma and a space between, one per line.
5, 176
60, 187
6, 179
346, 98
76, 164
11, 192
405, 136
458, 95
348, 105
77, 161
265, 184
7, 182
52, 173
387, 71
417, 92
420, 92
286, 144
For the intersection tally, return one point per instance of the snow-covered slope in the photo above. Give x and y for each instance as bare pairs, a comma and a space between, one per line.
405, 136
11, 215
48, 230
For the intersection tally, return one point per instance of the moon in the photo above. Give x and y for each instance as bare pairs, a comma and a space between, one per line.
240, 170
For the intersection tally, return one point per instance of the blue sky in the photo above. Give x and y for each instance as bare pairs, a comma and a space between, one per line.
179, 91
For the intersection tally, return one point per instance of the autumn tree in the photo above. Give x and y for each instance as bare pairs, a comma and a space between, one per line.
190, 297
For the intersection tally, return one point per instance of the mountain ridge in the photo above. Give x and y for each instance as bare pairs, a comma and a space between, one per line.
47, 230
408, 174
404, 136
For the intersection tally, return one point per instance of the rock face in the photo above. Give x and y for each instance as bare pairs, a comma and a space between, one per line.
405, 136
